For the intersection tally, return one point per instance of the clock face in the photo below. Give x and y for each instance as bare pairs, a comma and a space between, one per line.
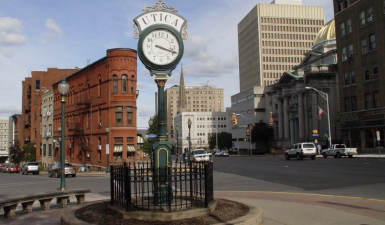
160, 47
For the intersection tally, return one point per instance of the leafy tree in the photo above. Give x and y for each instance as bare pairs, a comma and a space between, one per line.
153, 129
29, 152
224, 140
262, 133
16, 154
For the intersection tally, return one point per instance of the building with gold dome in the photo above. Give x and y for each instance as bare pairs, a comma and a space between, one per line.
293, 108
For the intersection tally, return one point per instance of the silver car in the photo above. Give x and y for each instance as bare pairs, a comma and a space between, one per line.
55, 170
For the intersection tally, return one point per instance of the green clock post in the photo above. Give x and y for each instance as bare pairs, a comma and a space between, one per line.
160, 48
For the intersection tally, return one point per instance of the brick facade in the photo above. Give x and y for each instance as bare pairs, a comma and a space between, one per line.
102, 94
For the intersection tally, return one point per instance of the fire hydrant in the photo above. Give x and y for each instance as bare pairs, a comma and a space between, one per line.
273, 152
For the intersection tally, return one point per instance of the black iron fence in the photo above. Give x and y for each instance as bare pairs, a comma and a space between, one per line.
179, 187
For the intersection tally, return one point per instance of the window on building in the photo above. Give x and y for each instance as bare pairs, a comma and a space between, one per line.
362, 18
367, 101
346, 104
100, 88
353, 77
119, 115
366, 73
349, 26
376, 99
49, 150
129, 115
372, 42
364, 45
44, 150
37, 84
370, 14
346, 78
342, 29
374, 71
132, 84
344, 56
114, 84
351, 51
124, 84
354, 103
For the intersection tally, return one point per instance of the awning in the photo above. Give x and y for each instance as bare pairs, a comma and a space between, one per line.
118, 148
130, 148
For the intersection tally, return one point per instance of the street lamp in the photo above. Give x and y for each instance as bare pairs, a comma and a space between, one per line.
63, 88
326, 97
108, 149
177, 140
150, 122
249, 125
189, 137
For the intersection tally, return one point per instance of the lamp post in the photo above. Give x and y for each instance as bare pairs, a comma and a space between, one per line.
177, 140
249, 125
326, 97
150, 122
63, 88
108, 149
189, 137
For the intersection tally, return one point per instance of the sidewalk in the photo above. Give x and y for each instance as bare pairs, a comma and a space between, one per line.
278, 208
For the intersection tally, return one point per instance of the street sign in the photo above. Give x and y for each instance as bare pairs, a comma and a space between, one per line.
107, 148
151, 136
233, 144
315, 135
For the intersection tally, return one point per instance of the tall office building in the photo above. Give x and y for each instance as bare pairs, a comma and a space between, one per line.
194, 99
361, 51
272, 38
4, 140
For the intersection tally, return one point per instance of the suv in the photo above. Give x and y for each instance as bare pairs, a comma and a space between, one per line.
199, 155
301, 150
30, 167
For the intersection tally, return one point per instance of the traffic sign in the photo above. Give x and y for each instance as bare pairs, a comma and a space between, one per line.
151, 136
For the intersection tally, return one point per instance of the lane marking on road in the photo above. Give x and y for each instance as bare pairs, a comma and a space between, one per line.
293, 193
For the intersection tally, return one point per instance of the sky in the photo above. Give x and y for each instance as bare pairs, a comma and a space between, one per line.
40, 34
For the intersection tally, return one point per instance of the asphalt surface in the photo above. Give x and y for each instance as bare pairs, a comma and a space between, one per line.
287, 204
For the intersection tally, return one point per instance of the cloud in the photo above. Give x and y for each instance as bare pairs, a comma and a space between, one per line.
54, 30
7, 110
10, 32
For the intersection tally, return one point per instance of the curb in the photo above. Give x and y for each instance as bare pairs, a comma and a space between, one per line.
253, 217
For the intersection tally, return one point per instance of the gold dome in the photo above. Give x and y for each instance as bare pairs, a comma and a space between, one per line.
328, 31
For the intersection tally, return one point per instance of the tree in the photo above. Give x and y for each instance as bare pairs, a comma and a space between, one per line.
29, 152
262, 133
153, 129
224, 140
16, 155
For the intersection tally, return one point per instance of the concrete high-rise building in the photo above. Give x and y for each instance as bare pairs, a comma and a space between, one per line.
197, 99
272, 38
3, 140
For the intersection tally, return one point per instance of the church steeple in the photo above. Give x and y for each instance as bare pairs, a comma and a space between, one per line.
182, 103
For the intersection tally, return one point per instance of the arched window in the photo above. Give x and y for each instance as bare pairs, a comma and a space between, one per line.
100, 88
124, 83
114, 84
132, 84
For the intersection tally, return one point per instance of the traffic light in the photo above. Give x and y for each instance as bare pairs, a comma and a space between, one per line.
271, 122
234, 119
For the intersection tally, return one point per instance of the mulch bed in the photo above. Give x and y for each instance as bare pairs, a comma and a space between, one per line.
226, 210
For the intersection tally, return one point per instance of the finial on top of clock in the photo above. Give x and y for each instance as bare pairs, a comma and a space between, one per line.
160, 6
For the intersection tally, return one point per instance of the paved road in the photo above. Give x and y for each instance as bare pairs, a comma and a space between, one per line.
358, 177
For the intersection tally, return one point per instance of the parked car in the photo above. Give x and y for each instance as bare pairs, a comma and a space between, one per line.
223, 153
4, 168
30, 167
199, 155
13, 169
301, 150
338, 150
55, 170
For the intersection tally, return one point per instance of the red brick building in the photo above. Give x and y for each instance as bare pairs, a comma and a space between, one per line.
33, 88
101, 95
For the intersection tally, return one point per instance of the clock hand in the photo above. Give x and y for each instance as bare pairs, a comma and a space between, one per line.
163, 48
